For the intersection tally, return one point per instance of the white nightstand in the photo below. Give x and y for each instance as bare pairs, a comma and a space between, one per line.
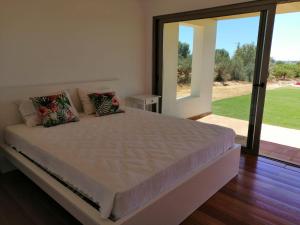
145, 100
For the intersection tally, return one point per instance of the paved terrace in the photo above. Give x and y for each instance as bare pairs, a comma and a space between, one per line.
277, 142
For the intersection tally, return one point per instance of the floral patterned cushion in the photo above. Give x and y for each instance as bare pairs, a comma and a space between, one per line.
55, 109
105, 103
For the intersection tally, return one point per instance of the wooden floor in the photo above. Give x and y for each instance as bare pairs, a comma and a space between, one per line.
265, 192
280, 152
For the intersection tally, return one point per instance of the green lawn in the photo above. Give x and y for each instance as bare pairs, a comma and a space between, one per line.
282, 107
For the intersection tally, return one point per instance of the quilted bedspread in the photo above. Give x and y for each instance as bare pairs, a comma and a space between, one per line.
124, 160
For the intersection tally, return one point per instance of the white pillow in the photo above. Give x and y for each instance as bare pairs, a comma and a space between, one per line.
72, 104
29, 113
88, 106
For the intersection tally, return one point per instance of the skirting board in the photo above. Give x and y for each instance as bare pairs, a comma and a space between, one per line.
170, 208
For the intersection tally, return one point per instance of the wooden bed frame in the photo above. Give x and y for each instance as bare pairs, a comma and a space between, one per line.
169, 208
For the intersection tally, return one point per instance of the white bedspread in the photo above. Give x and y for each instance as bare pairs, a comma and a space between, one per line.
123, 160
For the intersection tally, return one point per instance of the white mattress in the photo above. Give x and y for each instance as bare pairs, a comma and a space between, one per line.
124, 160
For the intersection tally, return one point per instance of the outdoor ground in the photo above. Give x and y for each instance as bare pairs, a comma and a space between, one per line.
233, 100
231, 106
276, 142
282, 107
232, 88
219, 91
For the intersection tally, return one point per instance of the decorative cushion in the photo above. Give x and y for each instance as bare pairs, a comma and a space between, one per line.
87, 104
29, 114
55, 109
105, 103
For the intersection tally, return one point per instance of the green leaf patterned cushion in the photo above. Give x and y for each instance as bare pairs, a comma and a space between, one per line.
55, 109
105, 103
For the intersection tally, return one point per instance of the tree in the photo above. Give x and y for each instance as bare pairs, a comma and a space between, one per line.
243, 62
222, 65
184, 70
184, 63
237, 69
282, 70
272, 63
183, 50
296, 70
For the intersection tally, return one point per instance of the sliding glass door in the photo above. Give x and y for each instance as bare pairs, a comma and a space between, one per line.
281, 122
215, 61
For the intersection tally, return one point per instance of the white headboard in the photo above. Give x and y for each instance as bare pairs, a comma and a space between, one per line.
9, 96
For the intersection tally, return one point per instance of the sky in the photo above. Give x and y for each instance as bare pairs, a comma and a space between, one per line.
286, 38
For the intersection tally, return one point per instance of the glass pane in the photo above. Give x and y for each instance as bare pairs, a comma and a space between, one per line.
234, 70
214, 59
185, 61
281, 122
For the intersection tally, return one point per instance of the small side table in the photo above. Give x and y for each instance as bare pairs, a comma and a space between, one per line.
145, 100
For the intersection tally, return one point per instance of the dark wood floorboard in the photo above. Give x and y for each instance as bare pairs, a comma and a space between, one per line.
25, 203
265, 192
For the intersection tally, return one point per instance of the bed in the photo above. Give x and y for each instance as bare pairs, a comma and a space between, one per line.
135, 167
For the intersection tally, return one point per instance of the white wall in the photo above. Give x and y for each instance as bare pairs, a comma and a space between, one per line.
170, 57
43, 41
50, 41
162, 7
202, 69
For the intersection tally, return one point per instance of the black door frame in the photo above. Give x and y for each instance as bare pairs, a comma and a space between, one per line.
267, 8
260, 79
